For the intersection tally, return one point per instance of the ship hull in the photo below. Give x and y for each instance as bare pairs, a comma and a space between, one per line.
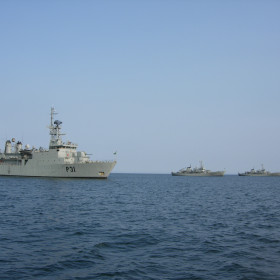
209, 174
96, 169
259, 175
275, 174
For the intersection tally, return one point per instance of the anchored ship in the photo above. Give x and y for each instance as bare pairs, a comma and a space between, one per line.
197, 171
259, 172
61, 160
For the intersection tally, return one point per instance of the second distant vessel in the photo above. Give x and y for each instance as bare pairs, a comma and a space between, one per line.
197, 171
259, 172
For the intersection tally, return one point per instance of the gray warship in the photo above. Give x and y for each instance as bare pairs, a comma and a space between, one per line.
259, 172
197, 171
61, 160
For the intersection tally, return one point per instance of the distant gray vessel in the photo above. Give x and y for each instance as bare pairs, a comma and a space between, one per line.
61, 160
197, 171
259, 172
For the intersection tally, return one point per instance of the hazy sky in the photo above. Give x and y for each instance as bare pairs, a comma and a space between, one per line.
163, 83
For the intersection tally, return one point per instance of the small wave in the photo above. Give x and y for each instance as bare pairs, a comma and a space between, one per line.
268, 240
78, 233
103, 245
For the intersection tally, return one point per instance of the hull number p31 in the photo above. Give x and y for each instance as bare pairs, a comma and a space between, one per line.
70, 169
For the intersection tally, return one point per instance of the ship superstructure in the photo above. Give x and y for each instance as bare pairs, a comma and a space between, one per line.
61, 159
197, 171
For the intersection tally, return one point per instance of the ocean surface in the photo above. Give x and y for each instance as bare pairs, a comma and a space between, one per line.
138, 226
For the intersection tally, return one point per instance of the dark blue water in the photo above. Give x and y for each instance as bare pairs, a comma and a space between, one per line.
140, 227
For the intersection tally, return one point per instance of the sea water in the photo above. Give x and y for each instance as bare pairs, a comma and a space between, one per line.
139, 226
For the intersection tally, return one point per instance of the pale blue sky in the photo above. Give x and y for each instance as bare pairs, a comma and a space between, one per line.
165, 83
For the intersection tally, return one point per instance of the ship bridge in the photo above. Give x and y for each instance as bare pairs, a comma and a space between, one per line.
68, 145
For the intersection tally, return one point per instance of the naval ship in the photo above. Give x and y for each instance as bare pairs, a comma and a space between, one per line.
259, 172
61, 160
197, 171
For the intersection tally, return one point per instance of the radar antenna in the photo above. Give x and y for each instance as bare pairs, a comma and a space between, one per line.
57, 123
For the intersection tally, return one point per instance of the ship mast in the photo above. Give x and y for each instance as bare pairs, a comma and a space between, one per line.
55, 131
52, 113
